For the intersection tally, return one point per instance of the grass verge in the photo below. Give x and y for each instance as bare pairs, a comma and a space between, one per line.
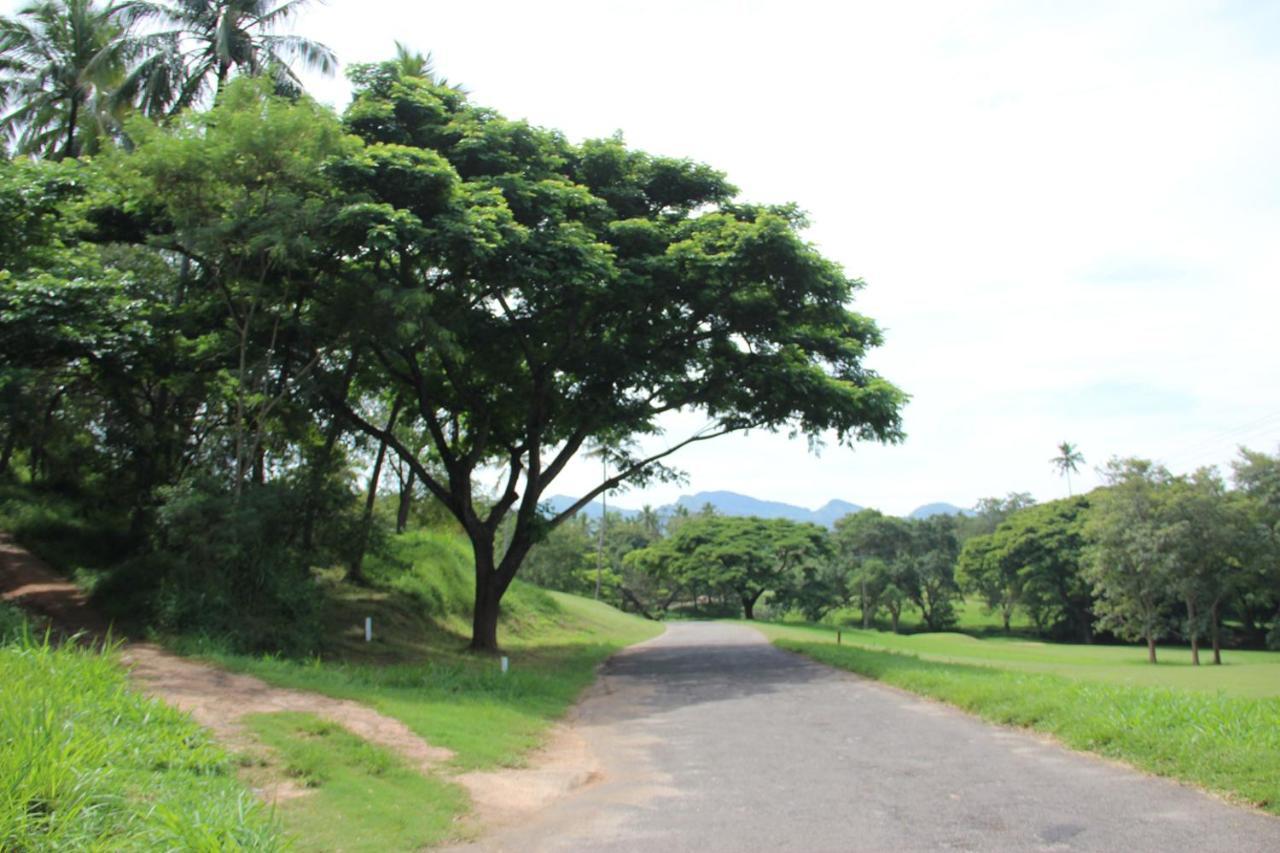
463, 702
87, 764
361, 797
1230, 745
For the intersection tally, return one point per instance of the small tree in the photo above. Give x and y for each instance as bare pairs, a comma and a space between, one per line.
1131, 568
867, 545
927, 570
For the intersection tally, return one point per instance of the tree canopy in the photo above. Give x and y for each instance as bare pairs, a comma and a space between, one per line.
526, 295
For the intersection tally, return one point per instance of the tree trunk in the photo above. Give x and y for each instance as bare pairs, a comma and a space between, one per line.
406, 502
894, 614
1151, 649
1006, 614
320, 468
1194, 630
484, 621
1215, 630
69, 150
10, 443
355, 573
866, 617
749, 606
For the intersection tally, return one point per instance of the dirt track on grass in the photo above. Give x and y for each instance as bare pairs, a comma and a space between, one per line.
215, 698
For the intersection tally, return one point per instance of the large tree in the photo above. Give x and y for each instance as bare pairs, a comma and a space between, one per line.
527, 296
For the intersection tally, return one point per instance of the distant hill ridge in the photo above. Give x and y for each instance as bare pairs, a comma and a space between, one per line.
733, 503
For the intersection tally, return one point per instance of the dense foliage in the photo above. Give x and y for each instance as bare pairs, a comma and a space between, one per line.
1148, 556
217, 330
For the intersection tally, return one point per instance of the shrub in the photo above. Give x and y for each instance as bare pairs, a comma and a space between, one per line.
232, 567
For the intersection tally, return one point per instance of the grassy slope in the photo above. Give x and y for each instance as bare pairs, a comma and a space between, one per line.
87, 764
1224, 742
416, 670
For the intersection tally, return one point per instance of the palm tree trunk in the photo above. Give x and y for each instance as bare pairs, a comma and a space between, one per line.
69, 149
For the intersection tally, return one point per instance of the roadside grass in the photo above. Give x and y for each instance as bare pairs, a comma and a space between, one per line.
1230, 745
416, 669
1244, 674
422, 676
87, 764
361, 797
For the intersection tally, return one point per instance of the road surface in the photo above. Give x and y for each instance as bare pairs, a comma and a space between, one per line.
710, 739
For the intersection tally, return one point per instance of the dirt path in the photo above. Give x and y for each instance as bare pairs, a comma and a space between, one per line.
215, 698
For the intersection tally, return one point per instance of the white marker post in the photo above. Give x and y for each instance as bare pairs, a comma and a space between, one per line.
506, 664
368, 629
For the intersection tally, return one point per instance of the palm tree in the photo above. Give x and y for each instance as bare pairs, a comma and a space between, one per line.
1069, 459
201, 43
58, 59
414, 63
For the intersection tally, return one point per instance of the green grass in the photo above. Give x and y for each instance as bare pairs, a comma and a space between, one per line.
87, 764
417, 670
464, 702
1226, 744
1243, 674
361, 797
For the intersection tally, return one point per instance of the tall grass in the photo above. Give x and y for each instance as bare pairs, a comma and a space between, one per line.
86, 764
1226, 744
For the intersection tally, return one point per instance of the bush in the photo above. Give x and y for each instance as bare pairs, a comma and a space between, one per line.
232, 568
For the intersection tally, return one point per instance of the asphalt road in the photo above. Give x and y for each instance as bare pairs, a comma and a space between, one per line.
710, 739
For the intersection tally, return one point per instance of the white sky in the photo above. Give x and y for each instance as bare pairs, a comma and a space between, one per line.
1066, 213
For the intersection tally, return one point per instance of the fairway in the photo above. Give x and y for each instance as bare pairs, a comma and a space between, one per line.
1251, 674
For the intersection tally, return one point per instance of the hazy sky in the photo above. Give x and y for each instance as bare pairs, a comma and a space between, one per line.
1066, 214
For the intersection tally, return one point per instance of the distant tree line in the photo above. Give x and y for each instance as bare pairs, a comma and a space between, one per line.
1148, 556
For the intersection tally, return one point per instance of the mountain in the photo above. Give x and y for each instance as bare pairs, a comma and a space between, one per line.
732, 503
726, 503
559, 503
937, 509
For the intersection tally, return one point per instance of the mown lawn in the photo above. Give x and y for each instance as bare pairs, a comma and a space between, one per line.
1243, 673
1227, 741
